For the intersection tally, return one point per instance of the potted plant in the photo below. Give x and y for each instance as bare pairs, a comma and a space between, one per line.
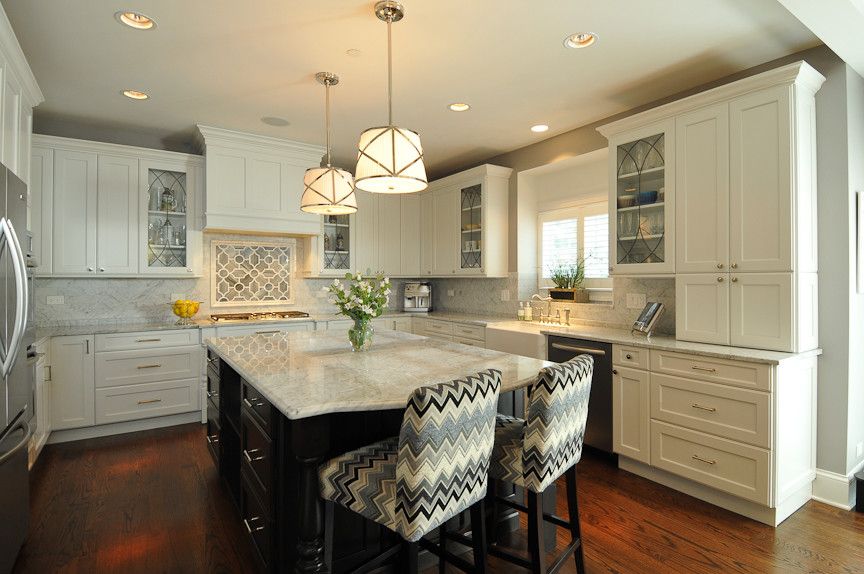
361, 300
568, 279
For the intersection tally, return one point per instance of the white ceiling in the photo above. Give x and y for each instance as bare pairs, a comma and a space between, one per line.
229, 63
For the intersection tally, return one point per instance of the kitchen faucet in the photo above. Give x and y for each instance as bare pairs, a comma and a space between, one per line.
548, 305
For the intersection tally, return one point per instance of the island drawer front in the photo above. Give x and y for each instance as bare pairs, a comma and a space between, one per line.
213, 387
119, 368
254, 403
436, 327
132, 402
256, 457
213, 433
732, 467
736, 373
730, 412
146, 340
471, 342
257, 524
476, 332
633, 357
214, 363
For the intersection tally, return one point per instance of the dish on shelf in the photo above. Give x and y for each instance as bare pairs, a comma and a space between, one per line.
471, 226
647, 197
626, 200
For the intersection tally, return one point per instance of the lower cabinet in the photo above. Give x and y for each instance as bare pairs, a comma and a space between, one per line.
72, 382
631, 430
146, 400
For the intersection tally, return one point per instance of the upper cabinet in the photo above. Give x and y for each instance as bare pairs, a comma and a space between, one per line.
254, 183
109, 210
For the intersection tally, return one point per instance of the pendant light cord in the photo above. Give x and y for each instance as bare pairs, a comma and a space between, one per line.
327, 118
389, 72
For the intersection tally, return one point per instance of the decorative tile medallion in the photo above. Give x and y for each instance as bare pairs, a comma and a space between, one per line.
246, 272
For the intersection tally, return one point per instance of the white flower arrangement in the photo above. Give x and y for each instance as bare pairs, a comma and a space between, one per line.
362, 299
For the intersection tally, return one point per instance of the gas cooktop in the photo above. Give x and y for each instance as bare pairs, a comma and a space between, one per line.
266, 316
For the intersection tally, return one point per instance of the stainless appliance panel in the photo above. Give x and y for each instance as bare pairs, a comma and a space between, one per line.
15, 493
20, 378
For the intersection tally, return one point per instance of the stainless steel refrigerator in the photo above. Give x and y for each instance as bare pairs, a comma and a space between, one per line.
16, 371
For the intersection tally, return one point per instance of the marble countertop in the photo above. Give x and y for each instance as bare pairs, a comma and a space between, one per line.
304, 374
661, 342
107, 328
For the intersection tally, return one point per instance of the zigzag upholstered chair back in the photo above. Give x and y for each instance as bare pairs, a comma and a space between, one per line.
556, 411
445, 443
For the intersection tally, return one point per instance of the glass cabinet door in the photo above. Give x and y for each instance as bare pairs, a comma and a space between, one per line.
336, 245
640, 204
168, 205
471, 228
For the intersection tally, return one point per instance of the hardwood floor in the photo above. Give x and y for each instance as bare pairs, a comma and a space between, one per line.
152, 502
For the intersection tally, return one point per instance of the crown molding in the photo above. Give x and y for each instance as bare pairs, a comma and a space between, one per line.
222, 137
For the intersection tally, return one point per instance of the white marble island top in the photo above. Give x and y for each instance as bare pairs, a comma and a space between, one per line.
304, 374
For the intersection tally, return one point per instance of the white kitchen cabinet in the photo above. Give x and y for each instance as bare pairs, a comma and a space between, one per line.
411, 236
702, 185
75, 212
72, 382
427, 233
702, 307
445, 203
762, 311
631, 428
41, 191
117, 214
390, 240
366, 221
12, 103
254, 183
41, 401
335, 250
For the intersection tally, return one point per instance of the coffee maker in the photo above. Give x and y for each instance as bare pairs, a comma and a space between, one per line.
418, 297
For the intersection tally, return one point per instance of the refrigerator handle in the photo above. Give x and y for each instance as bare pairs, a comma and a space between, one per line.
20, 268
25, 426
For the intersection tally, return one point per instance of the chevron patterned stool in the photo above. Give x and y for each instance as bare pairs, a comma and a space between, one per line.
534, 452
436, 468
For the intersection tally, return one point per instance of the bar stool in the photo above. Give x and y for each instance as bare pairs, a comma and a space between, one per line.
436, 468
534, 452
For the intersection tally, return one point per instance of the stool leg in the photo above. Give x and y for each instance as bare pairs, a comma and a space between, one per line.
328, 534
478, 536
573, 511
442, 542
409, 557
493, 515
536, 548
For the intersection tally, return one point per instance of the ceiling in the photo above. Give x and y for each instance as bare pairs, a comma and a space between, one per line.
230, 64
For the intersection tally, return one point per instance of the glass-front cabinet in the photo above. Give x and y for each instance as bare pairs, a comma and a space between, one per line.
642, 198
169, 236
336, 245
471, 228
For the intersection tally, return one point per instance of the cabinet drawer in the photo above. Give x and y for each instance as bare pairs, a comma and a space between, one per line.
214, 362
257, 525
471, 342
738, 414
264, 329
256, 454
737, 373
213, 433
213, 387
733, 467
146, 340
633, 357
119, 368
439, 327
475, 332
258, 407
131, 402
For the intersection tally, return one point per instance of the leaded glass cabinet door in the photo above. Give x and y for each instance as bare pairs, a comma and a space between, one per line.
471, 220
336, 245
642, 199
169, 243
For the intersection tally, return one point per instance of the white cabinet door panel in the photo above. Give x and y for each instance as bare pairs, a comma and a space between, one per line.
41, 207
427, 232
760, 197
117, 215
445, 206
702, 172
366, 221
410, 236
702, 308
390, 234
72, 382
75, 196
762, 310
11, 121
631, 430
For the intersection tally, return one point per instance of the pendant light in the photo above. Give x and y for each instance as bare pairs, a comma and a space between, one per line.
390, 158
328, 190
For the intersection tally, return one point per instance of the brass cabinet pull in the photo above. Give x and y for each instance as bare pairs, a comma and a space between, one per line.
249, 526
703, 408
703, 369
705, 460
614, 371
150, 401
250, 404
156, 366
147, 340
248, 455
268, 332
734, 266
719, 266
734, 280
212, 439
719, 280
587, 351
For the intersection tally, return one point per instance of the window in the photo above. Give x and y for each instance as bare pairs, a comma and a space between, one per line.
566, 235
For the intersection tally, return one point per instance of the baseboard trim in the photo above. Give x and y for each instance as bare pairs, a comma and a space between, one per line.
836, 489
69, 435
758, 512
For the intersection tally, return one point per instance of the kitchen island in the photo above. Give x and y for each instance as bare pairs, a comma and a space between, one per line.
282, 403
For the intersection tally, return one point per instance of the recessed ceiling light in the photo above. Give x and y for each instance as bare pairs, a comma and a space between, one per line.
580, 40
135, 94
274, 121
353, 52
135, 20
539, 128
459, 107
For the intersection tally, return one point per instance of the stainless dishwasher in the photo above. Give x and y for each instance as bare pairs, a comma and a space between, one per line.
598, 432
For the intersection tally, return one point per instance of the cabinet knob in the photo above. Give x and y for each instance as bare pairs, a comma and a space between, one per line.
629, 356
188, 270
719, 280
614, 371
734, 280
734, 266
102, 270
719, 266
90, 269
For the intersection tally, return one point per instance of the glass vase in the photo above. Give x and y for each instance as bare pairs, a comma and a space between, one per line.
360, 335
